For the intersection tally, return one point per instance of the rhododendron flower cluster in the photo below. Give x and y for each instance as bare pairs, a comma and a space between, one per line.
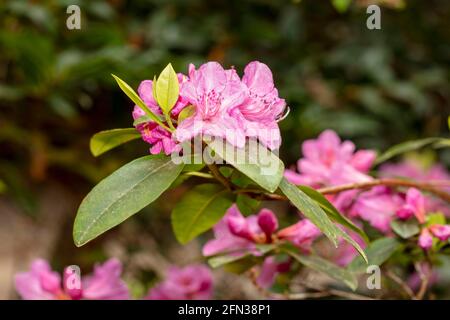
327, 162
42, 283
193, 282
238, 234
336, 189
224, 105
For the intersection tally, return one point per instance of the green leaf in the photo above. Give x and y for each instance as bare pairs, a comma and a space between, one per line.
137, 100
122, 194
377, 252
405, 229
186, 113
332, 212
405, 147
319, 264
341, 5
435, 218
154, 88
442, 143
167, 89
106, 140
199, 210
254, 160
233, 263
247, 205
237, 262
313, 212
141, 120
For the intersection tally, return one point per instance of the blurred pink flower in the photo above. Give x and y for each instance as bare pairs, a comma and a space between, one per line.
328, 161
378, 207
414, 206
302, 234
425, 239
442, 232
41, 283
269, 270
237, 234
189, 283
260, 111
439, 231
214, 92
413, 169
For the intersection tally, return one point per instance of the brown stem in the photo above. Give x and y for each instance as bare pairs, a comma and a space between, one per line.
392, 182
424, 277
220, 177
426, 186
401, 283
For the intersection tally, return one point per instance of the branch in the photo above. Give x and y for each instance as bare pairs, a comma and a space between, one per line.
432, 187
401, 283
424, 277
392, 182
220, 177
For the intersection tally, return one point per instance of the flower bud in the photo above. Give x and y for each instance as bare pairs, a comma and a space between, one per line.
268, 223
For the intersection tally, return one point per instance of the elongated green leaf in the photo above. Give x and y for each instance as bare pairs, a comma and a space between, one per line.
237, 262
136, 99
122, 194
167, 89
186, 113
247, 205
319, 264
106, 140
405, 147
332, 212
255, 161
141, 120
377, 252
199, 210
313, 212
405, 229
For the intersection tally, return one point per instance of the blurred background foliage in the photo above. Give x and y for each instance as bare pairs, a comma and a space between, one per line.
376, 87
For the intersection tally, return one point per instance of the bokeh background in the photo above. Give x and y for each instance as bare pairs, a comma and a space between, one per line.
376, 87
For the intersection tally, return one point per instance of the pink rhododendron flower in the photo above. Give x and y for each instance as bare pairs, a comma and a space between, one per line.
414, 206
152, 133
189, 283
302, 234
425, 239
412, 169
439, 231
328, 161
269, 270
41, 283
260, 111
442, 232
214, 92
158, 137
238, 234
378, 207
